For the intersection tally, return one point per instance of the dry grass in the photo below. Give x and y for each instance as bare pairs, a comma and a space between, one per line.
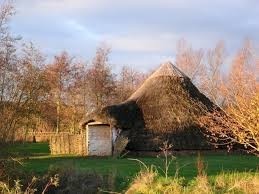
200, 185
149, 182
237, 183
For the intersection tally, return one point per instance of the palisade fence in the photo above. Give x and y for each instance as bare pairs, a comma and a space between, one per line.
59, 143
74, 144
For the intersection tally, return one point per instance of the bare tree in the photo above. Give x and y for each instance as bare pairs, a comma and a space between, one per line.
211, 82
26, 90
77, 95
7, 49
190, 61
129, 80
242, 77
238, 121
100, 79
59, 75
34, 86
237, 125
8, 69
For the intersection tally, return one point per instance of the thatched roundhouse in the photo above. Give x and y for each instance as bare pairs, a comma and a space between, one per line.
165, 107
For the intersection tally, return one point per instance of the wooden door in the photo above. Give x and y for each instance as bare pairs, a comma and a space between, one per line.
99, 140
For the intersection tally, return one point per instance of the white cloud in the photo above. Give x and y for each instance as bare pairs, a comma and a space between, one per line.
137, 30
142, 42
78, 29
61, 6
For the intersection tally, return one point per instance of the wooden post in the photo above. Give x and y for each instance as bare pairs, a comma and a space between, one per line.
86, 139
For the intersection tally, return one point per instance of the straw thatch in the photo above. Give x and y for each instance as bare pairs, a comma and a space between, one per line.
165, 107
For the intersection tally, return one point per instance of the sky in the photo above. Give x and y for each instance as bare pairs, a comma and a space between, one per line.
141, 33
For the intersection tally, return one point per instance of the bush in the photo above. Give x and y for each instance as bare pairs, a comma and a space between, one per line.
18, 188
9, 169
73, 180
60, 179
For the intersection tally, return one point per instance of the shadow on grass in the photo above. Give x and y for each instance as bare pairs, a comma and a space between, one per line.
24, 149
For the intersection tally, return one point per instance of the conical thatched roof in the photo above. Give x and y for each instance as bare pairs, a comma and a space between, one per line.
165, 70
165, 107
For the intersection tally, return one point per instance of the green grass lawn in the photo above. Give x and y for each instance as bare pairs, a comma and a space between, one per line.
215, 163
25, 149
38, 160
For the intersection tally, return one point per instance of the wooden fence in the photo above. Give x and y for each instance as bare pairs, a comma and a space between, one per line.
74, 144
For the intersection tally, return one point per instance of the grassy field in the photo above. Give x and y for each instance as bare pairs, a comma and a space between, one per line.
26, 149
37, 160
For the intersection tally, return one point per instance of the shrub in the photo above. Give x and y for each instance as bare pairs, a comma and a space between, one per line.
17, 188
73, 180
9, 169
